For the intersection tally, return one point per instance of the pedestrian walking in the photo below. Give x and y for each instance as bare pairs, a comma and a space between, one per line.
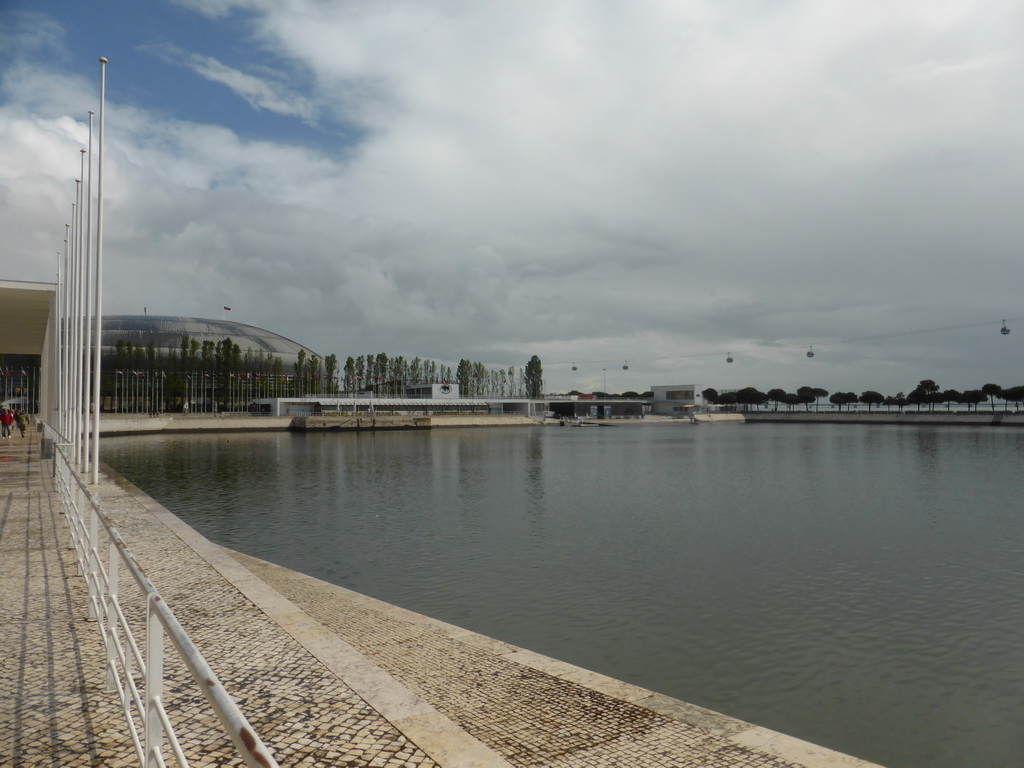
6, 423
21, 419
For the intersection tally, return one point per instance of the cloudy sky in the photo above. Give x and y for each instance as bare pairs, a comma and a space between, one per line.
661, 182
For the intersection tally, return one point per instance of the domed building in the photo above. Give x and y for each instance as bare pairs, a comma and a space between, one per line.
166, 333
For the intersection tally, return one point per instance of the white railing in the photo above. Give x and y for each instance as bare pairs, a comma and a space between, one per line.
127, 665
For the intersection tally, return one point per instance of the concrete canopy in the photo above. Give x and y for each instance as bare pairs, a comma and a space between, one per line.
25, 316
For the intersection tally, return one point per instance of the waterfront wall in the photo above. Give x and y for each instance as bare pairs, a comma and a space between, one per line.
394, 421
973, 419
483, 420
171, 423
720, 417
114, 424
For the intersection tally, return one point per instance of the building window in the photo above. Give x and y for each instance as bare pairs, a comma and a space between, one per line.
679, 394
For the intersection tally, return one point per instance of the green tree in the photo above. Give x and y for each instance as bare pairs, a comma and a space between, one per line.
380, 370
479, 376
839, 399
1014, 395
534, 378
300, 370
207, 354
871, 398
350, 374
725, 398
463, 375
777, 396
807, 396
399, 374
951, 396
331, 368
917, 396
973, 397
993, 391
750, 396
818, 394
313, 367
924, 394
710, 395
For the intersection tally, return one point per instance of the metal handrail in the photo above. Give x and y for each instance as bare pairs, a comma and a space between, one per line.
127, 664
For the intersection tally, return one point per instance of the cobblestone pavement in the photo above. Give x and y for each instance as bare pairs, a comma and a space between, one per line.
327, 677
53, 710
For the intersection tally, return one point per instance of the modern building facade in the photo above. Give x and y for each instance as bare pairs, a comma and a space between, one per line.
166, 332
443, 391
675, 399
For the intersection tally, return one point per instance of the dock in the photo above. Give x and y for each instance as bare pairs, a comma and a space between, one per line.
326, 676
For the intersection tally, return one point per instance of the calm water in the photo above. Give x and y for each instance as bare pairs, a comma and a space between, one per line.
861, 587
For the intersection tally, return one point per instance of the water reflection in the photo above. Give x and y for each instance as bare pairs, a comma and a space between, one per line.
856, 586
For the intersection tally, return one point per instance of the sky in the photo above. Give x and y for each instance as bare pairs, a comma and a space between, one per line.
638, 189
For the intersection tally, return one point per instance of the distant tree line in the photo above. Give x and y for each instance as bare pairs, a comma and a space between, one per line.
925, 396
218, 364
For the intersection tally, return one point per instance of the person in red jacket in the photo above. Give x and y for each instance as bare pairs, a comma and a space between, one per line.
6, 421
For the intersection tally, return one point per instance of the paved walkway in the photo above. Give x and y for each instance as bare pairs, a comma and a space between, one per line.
326, 676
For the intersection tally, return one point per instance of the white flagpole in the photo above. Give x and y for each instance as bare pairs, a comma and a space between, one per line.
74, 370
65, 345
80, 323
88, 310
99, 284
77, 381
55, 385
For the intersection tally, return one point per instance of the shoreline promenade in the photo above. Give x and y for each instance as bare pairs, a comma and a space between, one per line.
327, 677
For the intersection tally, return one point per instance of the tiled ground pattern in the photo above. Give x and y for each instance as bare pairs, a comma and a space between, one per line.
60, 715
529, 717
53, 708
304, 713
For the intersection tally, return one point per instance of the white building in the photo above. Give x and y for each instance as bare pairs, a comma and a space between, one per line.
675, 399
433, 391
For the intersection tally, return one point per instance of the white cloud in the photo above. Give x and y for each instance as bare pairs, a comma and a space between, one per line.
259, 93
214, 9
661, 183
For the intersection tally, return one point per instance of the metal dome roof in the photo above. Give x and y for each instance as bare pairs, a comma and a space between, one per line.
165, 332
